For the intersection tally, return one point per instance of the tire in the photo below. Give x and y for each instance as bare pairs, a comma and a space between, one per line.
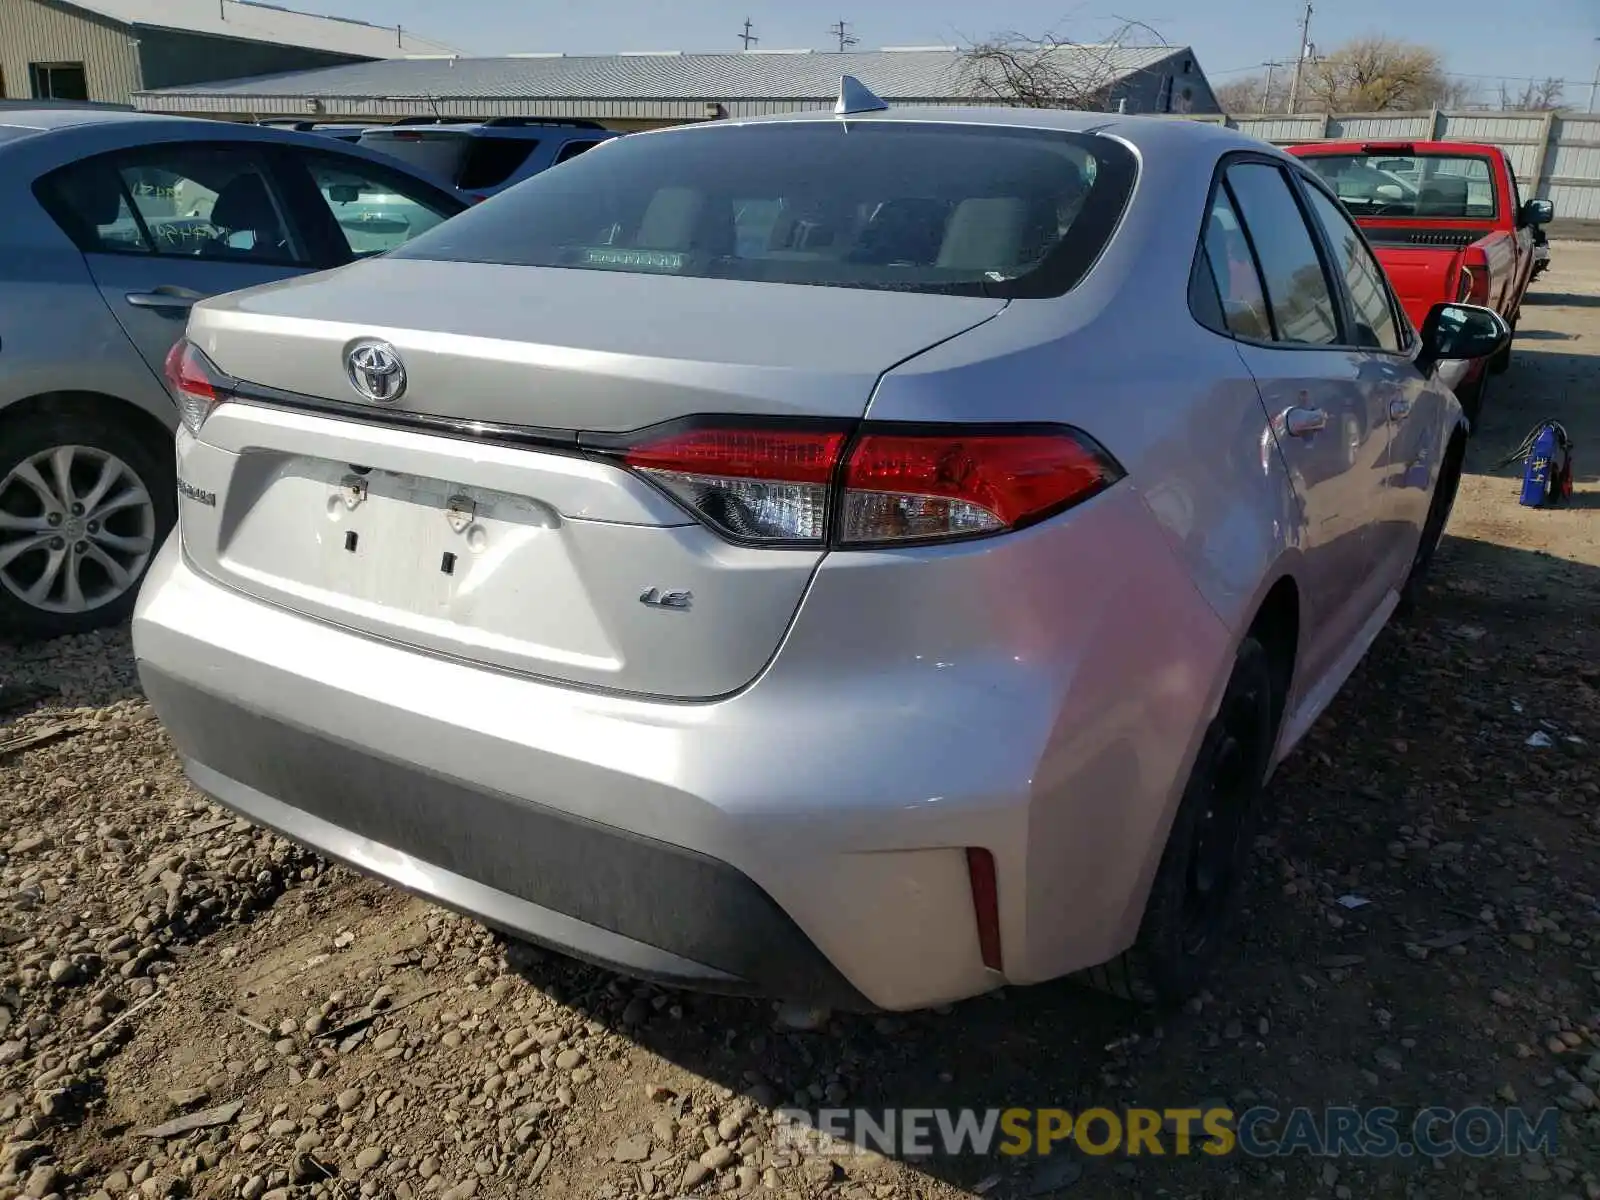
1500, 363
1433, 527
64, 571
1194, 900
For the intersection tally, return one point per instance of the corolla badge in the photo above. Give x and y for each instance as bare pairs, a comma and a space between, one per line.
375, 370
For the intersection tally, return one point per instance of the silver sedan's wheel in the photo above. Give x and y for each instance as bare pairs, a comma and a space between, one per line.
77, 528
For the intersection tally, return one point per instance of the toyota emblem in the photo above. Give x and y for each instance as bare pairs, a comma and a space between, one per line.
375, 370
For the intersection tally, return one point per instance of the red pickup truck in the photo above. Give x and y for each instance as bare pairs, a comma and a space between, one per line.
1447, 222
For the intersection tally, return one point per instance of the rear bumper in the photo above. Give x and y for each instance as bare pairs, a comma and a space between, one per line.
805, 838
599, 893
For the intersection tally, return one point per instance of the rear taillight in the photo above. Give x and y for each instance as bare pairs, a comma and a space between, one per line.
811, 486
915, 487
755, 485
196, 384
1473, 287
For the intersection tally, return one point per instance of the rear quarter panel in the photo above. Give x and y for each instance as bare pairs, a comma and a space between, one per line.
1122, 358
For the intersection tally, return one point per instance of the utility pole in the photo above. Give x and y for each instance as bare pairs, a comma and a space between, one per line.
1266, 92
748, 38
842, 32
1300, 59
1594, 88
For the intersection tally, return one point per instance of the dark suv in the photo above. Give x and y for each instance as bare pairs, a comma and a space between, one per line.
486, 157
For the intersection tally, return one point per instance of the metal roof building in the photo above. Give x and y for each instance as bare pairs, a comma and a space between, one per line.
645, 89
106, 50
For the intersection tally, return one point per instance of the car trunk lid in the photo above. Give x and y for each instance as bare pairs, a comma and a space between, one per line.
522, 552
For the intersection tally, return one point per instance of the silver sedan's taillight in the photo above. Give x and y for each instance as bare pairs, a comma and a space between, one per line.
883, 485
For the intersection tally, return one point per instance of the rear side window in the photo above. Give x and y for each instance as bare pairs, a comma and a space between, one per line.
1238, 283
931, 207
209, 202
573, 149
375, 210
91, 205
1376, 327
1302, 303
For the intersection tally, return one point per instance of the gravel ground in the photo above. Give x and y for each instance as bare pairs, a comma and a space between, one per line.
192, 1006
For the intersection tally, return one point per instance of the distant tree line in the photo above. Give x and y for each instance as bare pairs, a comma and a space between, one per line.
1378, 74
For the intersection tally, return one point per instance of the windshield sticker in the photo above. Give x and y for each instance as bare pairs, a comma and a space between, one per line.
649, 260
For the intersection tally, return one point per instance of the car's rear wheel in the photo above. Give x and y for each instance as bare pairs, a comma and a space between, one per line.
1195, 897
85, 499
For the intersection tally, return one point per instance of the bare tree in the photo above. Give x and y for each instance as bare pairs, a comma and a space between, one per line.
1376, 74
1536, 96
1052, 70
1267, 92
1458, 93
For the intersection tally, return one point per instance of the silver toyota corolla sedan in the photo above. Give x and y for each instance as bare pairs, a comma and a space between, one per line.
863, 559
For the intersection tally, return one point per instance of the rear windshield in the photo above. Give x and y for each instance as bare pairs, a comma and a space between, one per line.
461, 159
439, 154
973, 210
1409, 185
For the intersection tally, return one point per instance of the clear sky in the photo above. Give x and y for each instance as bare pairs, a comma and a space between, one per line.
1496, 39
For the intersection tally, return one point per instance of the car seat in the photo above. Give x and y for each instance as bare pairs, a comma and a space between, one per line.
910, 230
245, 206
687, 220
1442, 196
998, 233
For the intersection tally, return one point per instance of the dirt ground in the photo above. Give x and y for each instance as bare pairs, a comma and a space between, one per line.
334, 1038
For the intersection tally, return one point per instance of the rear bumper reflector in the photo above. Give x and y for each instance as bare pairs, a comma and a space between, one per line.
986, 906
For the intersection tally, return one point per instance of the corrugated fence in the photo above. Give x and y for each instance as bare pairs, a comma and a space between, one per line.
1556, 155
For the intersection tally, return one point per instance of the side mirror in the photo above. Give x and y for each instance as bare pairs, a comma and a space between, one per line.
1461, 331
1538, 212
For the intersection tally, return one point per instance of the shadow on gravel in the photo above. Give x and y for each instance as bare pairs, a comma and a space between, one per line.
1316, 1004
1568, 299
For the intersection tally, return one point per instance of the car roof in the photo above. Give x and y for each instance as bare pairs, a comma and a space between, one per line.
44, 118
1143, 132
506, 126
47, 138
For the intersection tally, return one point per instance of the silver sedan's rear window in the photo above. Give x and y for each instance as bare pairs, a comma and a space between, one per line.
935, 207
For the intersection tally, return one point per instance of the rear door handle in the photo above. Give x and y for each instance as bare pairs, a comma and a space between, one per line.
1399, 409
166, 297
1303, 422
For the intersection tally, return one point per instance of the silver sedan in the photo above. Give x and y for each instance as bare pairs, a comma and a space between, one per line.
865, 559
